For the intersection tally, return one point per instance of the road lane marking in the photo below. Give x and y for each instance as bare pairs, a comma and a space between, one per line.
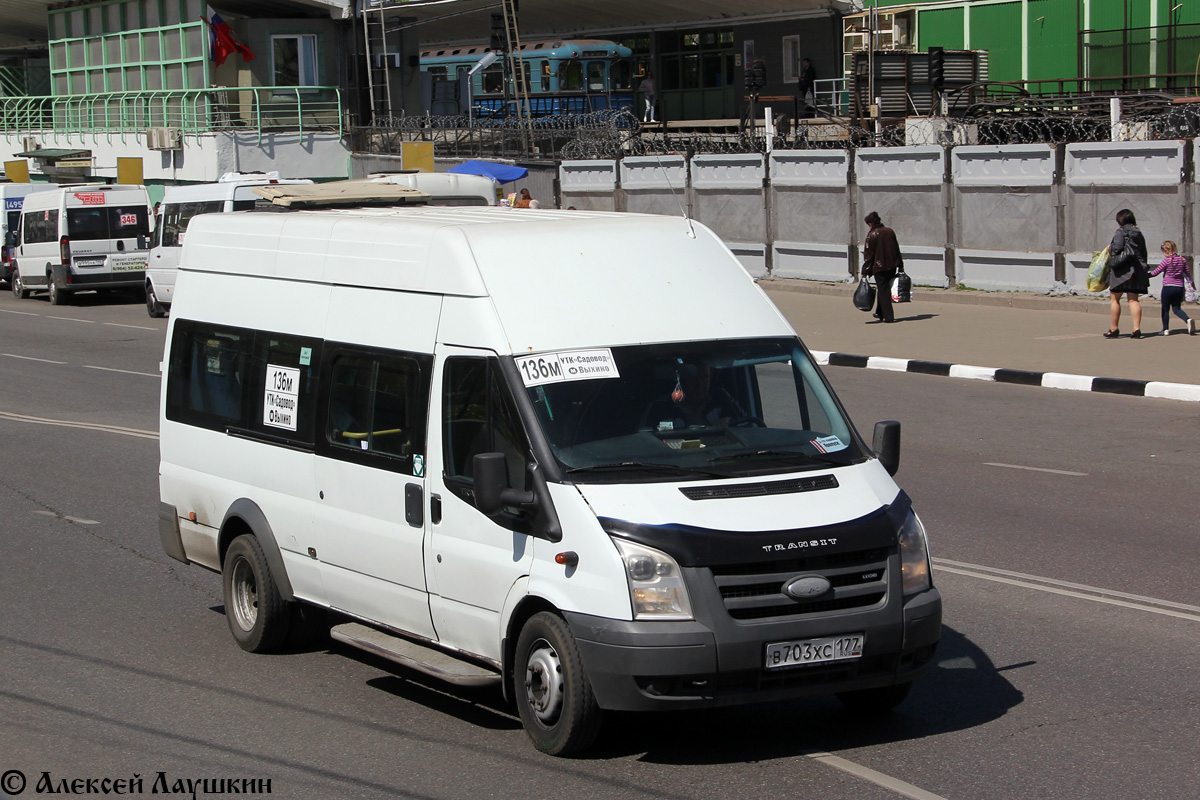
139, 327
22, 313
126, 371
80, 520
136, 432
31, 358
877, 778
73, 319
1078, 590
1036, 469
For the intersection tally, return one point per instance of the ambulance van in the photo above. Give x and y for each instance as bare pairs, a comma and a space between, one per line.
233, 192
12, 196
76, 238
495, 453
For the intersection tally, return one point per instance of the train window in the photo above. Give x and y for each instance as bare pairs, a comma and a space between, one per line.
670, 73
691, 72
493, 79
595, 76
570, 76
439, 73
712, 77
622, 74
543, 80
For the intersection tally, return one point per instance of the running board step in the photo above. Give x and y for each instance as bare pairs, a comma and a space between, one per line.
435, 663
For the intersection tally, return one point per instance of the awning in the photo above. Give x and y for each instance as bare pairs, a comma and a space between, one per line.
54, 152
501, 173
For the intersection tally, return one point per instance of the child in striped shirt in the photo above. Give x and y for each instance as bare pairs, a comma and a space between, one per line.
1175, 272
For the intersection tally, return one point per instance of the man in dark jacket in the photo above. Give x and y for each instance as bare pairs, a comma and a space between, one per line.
882, 260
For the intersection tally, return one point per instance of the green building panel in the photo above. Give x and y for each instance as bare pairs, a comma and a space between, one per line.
941, 27
1053, 41
997, 29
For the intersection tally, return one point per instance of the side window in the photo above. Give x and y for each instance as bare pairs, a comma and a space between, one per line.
378, 409
40, 226
177, 215
255, 382
478, 416
208, 375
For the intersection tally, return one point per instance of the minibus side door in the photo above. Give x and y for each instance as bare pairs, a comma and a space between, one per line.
473, 560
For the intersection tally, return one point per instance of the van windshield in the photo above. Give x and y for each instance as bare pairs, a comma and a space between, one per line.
108, 222
688, 410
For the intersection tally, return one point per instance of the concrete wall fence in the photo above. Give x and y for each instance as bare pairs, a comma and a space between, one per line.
1007, 218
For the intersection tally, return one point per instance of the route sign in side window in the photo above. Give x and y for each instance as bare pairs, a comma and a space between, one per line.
378, 408
177, 215
285, 389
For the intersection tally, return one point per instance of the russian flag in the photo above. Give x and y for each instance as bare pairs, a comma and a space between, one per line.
223, 42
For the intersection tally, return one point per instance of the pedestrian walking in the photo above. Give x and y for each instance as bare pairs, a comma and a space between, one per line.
1176, 274
1127, 273
881, 260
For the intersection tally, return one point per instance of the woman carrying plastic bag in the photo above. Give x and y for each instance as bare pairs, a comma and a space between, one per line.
1097, 274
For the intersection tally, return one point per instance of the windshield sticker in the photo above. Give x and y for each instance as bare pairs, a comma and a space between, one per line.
828, 444
90, 198
280, 397
575, 365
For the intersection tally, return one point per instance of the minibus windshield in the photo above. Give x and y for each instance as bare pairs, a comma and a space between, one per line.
108, 222
687, 410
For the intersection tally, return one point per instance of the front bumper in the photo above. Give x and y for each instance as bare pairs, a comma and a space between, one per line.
648, 665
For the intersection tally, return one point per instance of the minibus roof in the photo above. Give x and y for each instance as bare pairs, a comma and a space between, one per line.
555, 279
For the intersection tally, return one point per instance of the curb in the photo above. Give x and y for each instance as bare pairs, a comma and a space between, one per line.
1050, 380
1093, 304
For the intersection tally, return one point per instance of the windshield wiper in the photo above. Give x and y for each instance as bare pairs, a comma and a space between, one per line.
788, 454
648, 466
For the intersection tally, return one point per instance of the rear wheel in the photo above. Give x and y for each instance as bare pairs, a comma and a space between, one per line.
554, 697
153, 307
17, 285
875, 701
58, 297
258, 615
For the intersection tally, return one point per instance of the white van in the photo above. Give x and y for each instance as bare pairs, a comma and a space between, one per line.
505, 457
12, 196
445, 188
75, 238
233, 192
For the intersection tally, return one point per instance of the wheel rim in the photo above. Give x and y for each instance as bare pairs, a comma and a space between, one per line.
245, 595
16, 282
53, 290
544, 682
151, 301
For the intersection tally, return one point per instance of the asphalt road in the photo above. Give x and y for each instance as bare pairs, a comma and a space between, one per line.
1068, 666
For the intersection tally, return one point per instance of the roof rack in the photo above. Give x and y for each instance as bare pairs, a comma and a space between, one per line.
338, 194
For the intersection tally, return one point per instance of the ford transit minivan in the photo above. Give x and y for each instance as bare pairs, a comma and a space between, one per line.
12, 196
496, 454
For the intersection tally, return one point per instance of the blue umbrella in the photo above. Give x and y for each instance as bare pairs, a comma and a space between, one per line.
501, 173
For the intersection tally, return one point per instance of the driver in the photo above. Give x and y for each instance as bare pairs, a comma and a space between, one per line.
696, 403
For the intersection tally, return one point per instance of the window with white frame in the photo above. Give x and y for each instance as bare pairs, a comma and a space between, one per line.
294, 60
791, 59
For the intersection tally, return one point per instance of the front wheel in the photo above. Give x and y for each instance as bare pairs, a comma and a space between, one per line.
17, 285
875, 701
153, 307
554, 697
258, 615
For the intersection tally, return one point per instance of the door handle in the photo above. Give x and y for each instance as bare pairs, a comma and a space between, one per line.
414, 502
435, 509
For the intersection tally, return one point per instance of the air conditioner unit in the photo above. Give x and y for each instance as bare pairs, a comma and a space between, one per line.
164, 139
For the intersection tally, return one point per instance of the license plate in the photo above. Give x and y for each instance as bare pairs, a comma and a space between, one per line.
89, 262
847, 647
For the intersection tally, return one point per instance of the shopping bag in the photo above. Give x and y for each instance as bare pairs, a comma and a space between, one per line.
1097, 274
1190, 294
864, 295
902, 289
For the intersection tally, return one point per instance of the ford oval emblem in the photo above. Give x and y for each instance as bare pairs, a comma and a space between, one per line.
807, 588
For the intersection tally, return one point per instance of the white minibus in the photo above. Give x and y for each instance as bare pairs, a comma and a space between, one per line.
76, 238
481, 446
12, 195
233, 192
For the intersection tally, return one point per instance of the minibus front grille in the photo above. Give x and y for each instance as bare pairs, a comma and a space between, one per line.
756, 591
738, 490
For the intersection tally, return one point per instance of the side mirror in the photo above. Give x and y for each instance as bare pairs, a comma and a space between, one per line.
10, 239
492, 493
886, 444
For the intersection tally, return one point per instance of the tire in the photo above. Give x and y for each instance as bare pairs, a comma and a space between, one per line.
153, 307
553, 695
875, 701
17, 285
58, 297
258, 615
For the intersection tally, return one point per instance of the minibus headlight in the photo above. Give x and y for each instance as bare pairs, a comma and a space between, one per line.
914, 556
656, 585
